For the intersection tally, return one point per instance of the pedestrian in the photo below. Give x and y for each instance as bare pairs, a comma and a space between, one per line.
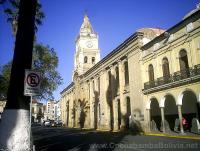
185, 124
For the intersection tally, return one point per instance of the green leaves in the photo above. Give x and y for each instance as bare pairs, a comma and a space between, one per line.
45, 60
13, 12
4, 80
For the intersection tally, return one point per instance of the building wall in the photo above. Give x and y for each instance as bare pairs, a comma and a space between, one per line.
37, 111
105, 104
104, 100
180, 92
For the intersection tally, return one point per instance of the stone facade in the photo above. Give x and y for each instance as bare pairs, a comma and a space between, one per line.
171, 75
115, 93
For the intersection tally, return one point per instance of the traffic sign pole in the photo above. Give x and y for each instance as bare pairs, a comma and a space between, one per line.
30, 119
31, 88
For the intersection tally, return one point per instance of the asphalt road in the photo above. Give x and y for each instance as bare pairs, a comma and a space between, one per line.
64, 139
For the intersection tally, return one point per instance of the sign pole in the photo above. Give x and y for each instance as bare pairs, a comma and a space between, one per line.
30, 118
32, 88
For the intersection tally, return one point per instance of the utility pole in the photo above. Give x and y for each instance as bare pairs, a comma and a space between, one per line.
14, 126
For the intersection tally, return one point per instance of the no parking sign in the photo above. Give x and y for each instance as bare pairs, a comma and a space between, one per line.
32, 83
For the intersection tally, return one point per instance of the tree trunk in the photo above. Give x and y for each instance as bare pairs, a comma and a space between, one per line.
15, 126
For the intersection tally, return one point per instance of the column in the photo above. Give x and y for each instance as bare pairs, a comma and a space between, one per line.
65, 110
114, 102
96, 108
70, 110
92, 123
107, 99
61, 109
73, 110
115, 110
149, 120
122, 99
180, 119
163, 118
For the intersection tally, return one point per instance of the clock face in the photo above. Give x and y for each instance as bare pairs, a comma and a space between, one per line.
89, 44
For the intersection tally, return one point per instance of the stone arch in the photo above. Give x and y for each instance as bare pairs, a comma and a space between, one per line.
170, 110
148, 105
155, 114
190, 107
163, 99
180, 96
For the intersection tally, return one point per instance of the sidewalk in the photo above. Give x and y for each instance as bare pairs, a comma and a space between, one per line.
186, 135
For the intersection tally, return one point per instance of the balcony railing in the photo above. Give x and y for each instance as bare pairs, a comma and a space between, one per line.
176, 76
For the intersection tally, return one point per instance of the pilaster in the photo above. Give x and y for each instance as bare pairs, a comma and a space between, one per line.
122, 99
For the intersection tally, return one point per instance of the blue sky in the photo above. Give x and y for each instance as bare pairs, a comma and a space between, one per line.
113, 20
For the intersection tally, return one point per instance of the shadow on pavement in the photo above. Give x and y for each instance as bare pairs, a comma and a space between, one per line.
74, 139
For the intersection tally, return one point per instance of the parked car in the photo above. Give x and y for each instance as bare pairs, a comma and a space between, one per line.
47, 123
59, 123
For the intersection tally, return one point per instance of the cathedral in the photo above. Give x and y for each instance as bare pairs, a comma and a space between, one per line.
149, 83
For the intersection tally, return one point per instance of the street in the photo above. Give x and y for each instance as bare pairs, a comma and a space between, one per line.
63, 139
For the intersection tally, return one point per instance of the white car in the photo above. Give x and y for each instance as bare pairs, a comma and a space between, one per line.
47, 123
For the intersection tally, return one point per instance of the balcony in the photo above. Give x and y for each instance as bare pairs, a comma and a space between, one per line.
173, 80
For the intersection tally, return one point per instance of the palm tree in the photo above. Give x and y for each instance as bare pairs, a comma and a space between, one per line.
13, 13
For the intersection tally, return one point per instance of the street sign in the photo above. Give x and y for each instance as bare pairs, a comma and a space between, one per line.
32, 83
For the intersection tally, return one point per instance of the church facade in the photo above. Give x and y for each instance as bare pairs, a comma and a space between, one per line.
148, 83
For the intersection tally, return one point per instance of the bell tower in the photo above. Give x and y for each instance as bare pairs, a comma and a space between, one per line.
87, 49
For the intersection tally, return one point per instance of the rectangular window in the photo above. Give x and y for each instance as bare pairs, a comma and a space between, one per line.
93, 60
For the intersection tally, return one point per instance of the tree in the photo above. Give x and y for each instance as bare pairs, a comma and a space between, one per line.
13, 13
45, 60
15, 126
4, 80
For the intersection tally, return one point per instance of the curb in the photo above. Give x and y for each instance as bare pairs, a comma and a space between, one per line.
173, 136
101, 130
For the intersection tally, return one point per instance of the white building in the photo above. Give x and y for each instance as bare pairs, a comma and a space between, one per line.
57, 110
49, 111
52, 110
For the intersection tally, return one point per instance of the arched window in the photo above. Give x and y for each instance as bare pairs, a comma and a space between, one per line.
93, 60
165, 68
183, 61
126, 73
151, 73
85, 59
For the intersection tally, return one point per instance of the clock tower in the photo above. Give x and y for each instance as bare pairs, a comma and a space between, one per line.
87, 49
